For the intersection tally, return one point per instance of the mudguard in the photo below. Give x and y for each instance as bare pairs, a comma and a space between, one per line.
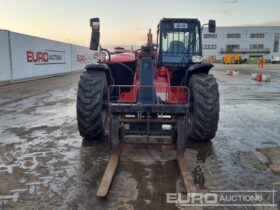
196, 69
102, 67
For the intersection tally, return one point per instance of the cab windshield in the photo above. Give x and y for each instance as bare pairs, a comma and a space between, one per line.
180, 41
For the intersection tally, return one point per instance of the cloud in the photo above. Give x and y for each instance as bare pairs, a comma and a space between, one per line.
136, 29
272, 23
268, 23
221, 12
231, 1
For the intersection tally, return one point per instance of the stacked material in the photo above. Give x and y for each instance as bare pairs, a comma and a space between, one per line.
261, 77
232, 72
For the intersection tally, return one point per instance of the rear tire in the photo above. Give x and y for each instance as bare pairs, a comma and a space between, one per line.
91, 112
204, 107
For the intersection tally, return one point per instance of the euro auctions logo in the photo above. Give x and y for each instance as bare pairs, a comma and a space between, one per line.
45, 57
221, 198
84, 58
81, 58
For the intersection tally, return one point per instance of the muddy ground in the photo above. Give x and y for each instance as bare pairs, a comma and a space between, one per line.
45, 164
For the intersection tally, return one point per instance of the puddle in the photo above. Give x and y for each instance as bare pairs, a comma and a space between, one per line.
44, 161
273, 155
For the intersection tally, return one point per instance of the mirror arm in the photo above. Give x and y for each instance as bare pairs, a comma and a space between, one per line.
206, 24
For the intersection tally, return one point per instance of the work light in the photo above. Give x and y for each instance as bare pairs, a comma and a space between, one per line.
94, 24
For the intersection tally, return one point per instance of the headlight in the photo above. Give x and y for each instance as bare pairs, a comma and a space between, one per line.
95, 24
197, 59
100, 56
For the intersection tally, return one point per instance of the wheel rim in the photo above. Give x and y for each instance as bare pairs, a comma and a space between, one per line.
191, 110
104, 116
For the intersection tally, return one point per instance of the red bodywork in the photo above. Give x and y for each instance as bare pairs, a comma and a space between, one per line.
122, 57
168, 94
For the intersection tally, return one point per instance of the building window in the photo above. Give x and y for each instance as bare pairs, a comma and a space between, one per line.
210, 36
256, 46
234, 36
276, 43
231, 48
209, 47
257, 35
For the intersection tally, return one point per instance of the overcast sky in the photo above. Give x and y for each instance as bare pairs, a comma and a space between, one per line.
126, 21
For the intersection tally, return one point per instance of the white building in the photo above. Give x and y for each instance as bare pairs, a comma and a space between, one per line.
249, 41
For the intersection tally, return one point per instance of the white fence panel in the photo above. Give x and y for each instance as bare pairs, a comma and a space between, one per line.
5, 68
35, 57
81, 56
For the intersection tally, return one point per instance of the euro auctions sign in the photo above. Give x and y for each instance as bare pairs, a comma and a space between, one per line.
84, 58
45, 57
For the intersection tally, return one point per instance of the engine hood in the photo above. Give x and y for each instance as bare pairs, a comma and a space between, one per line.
122, 57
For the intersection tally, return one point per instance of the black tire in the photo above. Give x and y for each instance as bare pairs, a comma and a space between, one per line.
92, 113
204, 107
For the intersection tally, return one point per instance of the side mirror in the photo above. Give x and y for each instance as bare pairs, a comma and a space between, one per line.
95, 34
212, 26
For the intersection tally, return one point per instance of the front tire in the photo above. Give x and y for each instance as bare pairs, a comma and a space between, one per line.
91, 112
204, 107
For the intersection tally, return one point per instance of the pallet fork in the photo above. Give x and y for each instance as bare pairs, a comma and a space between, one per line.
116, 121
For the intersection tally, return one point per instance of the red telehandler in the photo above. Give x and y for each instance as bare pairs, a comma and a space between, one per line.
163, 89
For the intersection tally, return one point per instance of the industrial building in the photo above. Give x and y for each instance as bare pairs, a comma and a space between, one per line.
248, 42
